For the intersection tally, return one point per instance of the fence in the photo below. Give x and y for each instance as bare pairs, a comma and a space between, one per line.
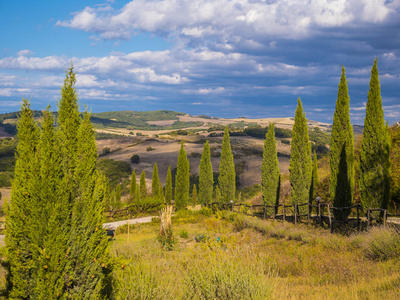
324, 213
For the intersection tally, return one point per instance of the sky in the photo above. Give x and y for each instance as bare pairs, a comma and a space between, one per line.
224, 58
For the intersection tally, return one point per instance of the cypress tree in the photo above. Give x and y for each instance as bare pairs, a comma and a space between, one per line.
194, 195
314, 178
107, 196
118, 202
112, 200
137, 196
270, 173
206, 178
182, 180
88, 243
51, 238
132, 189
342, 141
155, 183
168, 187
143, 187
18, 235
375, 149
217, 194
161, 193
300, 159
226, 179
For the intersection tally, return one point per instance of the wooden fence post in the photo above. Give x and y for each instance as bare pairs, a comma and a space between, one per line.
295, 214
283, 212
330, 219
309, 213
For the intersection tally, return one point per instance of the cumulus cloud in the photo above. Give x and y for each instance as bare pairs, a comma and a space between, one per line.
229, 21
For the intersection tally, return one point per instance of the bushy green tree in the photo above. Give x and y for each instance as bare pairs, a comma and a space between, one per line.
155, 183
342, 143
132, 188
206, 178
227, 175
107, 196
270, 173
161, 193
182, 180
375, 149
143, 187
300, 159
168, 187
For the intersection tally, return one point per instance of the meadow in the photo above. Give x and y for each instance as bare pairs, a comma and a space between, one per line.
231, 256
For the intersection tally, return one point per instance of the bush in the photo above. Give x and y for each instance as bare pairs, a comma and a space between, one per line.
287, 142
105, 151
150, 148
184, 234
135, 159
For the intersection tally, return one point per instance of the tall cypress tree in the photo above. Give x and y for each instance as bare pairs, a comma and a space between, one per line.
18, 235
194, 195
155, 183
314, 178
132, 189
300, 159
168, 187
217, 194
375, 149
342, 141
206, 178
118, 202
270, 173
227, 176
143, 187
182, 180
107, 196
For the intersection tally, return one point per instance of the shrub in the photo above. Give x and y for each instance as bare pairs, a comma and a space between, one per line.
150, 148
284, 141
184, 234
105, 151
135, 159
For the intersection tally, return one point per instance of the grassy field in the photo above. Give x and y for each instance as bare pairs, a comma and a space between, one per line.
234, 257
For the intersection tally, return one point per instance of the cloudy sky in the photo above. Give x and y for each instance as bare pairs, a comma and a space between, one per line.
224, 58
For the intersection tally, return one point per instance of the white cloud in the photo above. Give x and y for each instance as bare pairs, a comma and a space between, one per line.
25, 53
228, 21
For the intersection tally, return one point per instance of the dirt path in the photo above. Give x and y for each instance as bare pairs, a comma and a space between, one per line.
111, 225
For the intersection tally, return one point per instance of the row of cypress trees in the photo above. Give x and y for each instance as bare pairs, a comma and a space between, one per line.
374, 164
56, 247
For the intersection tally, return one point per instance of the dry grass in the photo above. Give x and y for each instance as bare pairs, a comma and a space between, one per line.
246, 258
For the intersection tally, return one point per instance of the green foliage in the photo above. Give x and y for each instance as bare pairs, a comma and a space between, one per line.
55, 242
270, 173
260, 132
114, 170
143, 187
227, 174
342, 151
194, 195
182, 180
168, 187
395, 164
19, 236
314, 178
155, 183
375, 149
206, 179
118, 203
8, 147
132, 189
217, 194
135, 159
300, 168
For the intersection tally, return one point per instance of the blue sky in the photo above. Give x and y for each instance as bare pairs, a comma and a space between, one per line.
223, 58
